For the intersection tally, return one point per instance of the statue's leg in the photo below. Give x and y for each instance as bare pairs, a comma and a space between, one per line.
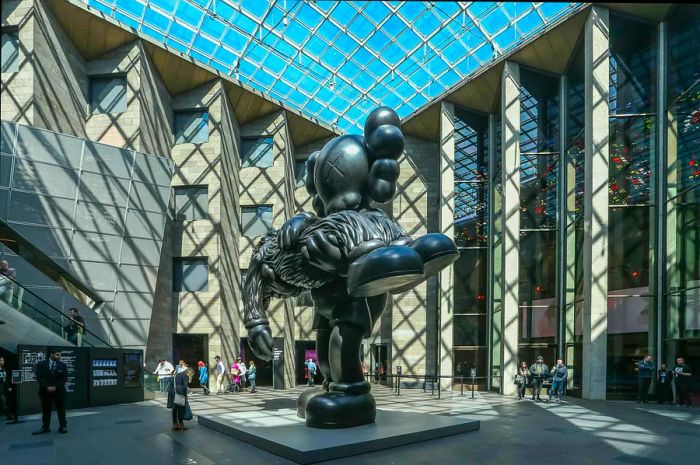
348, 401
323, 337
323, 334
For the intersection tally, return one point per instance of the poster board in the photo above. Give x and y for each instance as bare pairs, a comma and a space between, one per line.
75, 359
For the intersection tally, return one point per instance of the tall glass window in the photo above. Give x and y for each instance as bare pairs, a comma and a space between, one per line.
10, 50
257, 152
632, 152
574, 171
191, 126
190, 274
108, 94
470, 231
539, 161
191, 203
683, 202
256, 220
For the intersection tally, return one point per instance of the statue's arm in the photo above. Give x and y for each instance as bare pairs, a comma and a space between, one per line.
290, 232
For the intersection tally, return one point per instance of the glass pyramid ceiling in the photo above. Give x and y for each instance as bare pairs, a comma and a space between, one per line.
336, 61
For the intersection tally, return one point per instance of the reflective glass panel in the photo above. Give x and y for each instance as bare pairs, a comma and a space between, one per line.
257, 152
108, 94
256, 220
190, 274
470, 281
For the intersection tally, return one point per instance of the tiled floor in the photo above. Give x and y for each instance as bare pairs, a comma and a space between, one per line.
575, 432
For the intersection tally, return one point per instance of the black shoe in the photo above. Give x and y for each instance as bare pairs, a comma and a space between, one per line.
41, 431
62, 430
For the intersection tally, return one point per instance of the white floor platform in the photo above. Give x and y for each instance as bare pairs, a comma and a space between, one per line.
282, 433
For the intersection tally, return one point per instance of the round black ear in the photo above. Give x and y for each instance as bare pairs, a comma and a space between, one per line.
383, 136
385, 142
310, 165
379, 117
382, 179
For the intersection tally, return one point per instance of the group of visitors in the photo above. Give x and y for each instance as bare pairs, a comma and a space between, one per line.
537, 374
240, 375
670, 383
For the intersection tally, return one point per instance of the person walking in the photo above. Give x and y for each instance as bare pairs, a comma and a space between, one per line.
664, 379
242, 370
203, 377
682, 375
5, 391
51, 375
559, 376
251, 376
235, 378
7, 281
645, 372
539, 372
164, 373
521, 379
312, 371
220, 375
75, 329
177, 398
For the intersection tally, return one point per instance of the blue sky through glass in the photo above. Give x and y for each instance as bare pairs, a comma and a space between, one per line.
336, 61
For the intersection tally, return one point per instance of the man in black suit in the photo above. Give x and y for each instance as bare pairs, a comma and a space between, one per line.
51, 375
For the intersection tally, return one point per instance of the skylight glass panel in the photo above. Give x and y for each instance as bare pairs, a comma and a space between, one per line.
324, 49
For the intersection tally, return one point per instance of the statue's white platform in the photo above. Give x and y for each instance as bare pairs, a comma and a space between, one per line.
282, 433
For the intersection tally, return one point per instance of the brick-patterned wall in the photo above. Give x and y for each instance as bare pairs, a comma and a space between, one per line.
156, 111
200, 164
231, 309
266, 186
17, 96
415, 208
59, 76
122, 129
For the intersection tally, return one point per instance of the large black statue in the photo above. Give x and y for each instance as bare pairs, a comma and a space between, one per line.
350, 256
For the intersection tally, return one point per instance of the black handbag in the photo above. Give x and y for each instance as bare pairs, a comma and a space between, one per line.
188, 412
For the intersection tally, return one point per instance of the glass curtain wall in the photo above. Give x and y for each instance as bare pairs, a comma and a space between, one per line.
471, 234
631, 199
496, 264
539, 159
683, 186
574, 172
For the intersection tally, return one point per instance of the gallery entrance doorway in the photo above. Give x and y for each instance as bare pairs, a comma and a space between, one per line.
379, 365
263, 369
191, 348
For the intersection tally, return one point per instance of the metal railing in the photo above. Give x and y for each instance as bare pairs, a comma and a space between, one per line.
433, 380
33, 306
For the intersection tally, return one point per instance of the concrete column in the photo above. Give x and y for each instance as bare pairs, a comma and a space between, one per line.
510, 143
595, 209
447, 219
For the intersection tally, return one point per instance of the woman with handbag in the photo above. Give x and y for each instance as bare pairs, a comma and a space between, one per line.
177, 398
521, 379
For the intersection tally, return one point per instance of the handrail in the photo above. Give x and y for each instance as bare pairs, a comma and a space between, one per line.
432, 378
56, 310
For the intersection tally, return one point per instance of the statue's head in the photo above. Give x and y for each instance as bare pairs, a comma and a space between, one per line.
351, 171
